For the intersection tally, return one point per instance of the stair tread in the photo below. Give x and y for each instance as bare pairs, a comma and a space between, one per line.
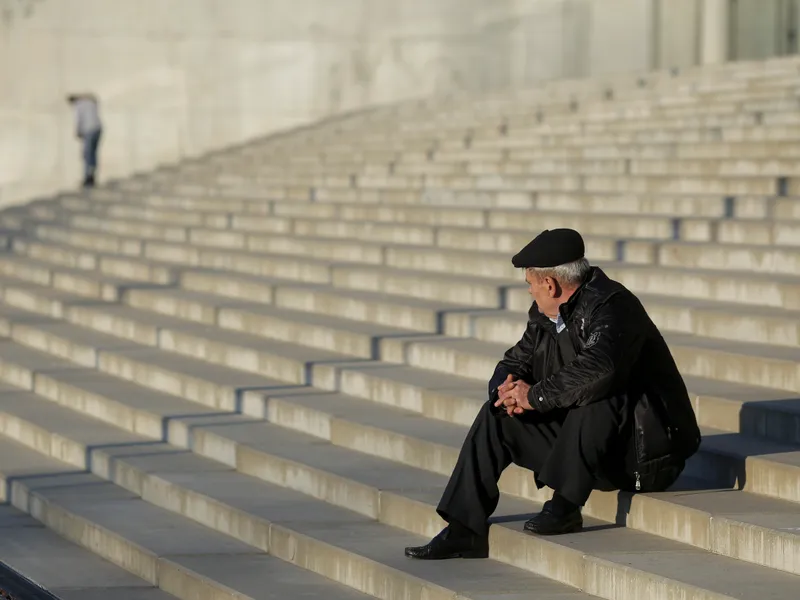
169, 536
224, 304
376, 413
356, 533
763, 511
66, 570
79, 273
727, 273
740, 348
177, 538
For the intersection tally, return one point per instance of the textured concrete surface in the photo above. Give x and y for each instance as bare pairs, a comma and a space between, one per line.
166, 73
260, 366
66, 570
333, 526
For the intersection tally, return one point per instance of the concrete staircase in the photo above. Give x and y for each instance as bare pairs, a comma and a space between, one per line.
249, 375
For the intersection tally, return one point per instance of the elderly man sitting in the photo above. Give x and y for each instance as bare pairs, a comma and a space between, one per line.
589, 398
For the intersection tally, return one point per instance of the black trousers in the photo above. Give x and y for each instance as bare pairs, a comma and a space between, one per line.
571, 451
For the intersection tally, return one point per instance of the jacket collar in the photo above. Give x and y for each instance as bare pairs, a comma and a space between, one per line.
595, 287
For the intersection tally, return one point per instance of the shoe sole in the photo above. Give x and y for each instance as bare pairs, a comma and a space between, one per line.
464, 555
571, 529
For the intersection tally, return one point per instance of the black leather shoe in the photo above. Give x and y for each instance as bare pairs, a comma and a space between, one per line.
448, 545
549, 523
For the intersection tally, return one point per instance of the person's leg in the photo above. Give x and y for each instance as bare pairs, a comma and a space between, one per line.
590, 450
90, 145
95, 152
494, 441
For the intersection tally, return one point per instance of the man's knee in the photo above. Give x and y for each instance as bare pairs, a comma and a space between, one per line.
608, 413
598, 425
491, 421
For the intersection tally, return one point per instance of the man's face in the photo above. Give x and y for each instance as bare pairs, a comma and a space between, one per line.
543, 291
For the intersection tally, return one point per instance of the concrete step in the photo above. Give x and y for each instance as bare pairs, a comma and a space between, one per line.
760, 365
695, 135
61, 243
736, 259
232, 356
786, 208
251, 216
729, 231
61, 567
237, 520
602, 224
175, 374
458, 251
781, 260
402, 312
135, 230
366, 242
711, 319
747, 364
345, 336
695, 251
677, 205
183, 558
731, 151
717, 320
480, 132
115, 265
710, 150
731, 407
550, 165
775, 166
282, 458
701, 282
758, 290
763, 366
83, 282
779, 233
699, 176
336, 475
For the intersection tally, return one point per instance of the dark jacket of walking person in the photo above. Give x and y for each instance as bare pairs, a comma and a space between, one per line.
589, 398
89, 129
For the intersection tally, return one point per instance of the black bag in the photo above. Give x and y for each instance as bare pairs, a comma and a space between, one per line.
656, 465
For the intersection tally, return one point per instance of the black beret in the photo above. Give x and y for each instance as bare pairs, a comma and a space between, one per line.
551, 248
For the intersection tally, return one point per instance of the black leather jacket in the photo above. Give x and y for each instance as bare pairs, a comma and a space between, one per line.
619, 350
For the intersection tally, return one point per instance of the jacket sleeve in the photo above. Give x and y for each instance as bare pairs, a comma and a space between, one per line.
613, 344
515, 361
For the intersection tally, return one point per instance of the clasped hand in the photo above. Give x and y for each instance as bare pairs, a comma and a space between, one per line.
513, 396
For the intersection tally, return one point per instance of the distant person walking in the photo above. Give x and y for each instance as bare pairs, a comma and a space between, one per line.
89, 129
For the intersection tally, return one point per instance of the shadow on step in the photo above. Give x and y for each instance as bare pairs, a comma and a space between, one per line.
777, 420
521, 518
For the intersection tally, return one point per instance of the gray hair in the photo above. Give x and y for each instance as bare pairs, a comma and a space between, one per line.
572, 274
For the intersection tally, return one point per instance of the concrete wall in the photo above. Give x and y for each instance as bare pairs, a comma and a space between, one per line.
179, 77
678, 35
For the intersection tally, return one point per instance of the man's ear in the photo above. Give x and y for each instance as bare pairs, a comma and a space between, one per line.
552, 287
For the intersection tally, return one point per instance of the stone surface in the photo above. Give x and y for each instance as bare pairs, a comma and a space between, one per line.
280, 348
61, 567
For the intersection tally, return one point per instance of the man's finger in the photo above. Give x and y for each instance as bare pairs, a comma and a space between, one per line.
509, 381
505, 399
506, 385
